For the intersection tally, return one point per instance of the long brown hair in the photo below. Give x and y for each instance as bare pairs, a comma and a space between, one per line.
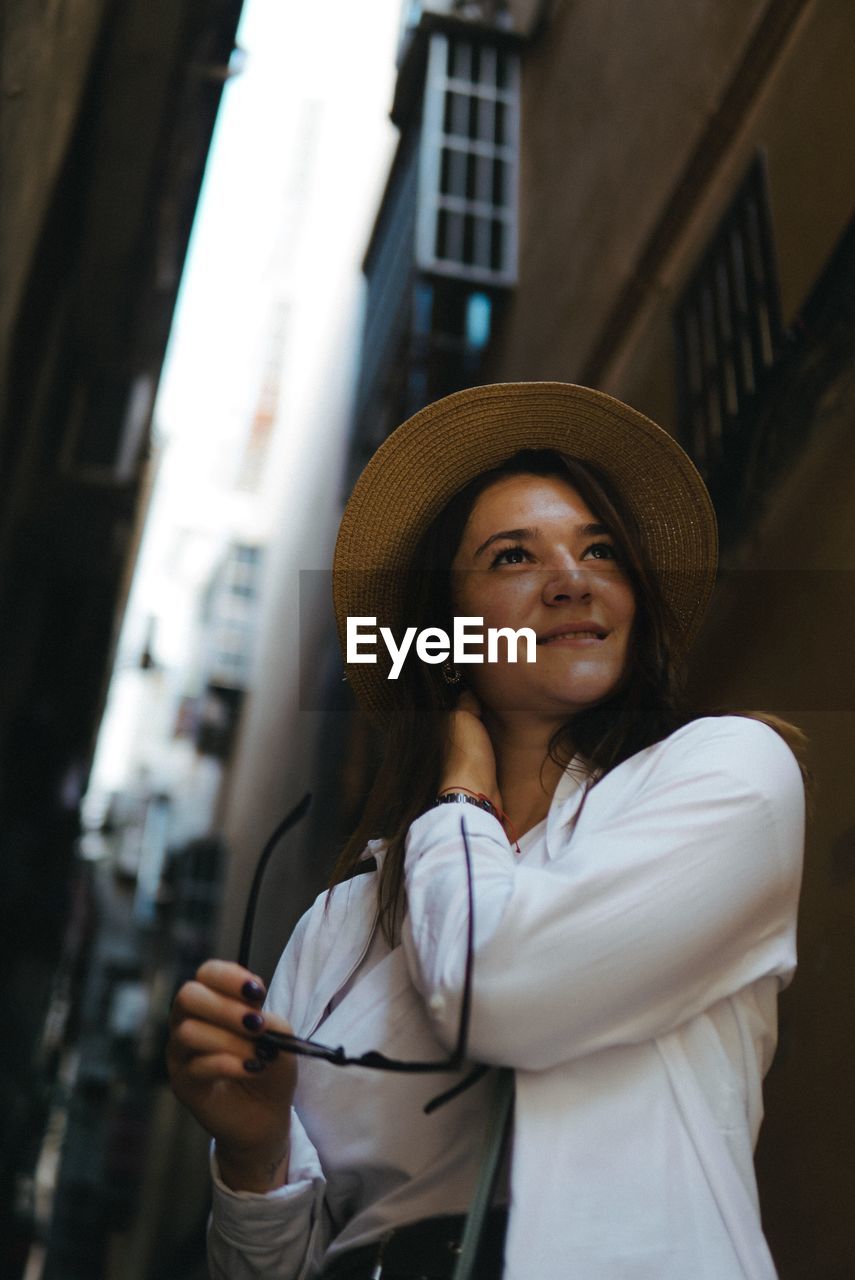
648, 704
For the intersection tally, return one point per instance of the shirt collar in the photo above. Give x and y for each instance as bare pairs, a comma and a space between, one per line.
565, 804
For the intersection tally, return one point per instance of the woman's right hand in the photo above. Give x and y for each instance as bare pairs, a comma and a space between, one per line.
241, 1096
469, 759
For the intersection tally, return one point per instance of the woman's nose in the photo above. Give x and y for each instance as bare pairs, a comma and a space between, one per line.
566, 582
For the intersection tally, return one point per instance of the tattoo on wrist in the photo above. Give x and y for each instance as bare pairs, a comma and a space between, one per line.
275, 1166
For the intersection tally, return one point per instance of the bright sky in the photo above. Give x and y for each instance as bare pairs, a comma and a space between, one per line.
298, 161
294, 52
285, 187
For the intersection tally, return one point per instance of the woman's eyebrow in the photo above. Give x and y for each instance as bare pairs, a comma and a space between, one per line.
506, 533
594, 530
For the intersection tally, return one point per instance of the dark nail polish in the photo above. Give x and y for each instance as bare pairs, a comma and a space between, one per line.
266, 1051
253, 1066
253, 1021
253, 991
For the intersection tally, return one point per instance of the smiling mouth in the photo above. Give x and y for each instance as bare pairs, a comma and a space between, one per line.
574, 635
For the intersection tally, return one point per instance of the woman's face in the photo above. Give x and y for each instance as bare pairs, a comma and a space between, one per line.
533, 555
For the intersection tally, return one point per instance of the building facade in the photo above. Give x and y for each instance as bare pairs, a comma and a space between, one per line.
107, 116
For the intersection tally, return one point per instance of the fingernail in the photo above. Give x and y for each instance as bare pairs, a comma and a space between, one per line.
252, 990
253, 1065
253, 1021
266, 1051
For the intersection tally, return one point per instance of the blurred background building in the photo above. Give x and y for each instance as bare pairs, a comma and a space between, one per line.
107, 113
655, 199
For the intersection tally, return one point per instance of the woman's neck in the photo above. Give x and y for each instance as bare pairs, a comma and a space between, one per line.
526, 773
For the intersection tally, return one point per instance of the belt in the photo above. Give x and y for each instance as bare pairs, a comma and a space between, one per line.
425, 1250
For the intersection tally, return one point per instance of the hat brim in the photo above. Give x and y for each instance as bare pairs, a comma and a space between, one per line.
438, 451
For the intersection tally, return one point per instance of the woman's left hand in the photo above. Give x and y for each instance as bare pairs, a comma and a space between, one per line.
469, 761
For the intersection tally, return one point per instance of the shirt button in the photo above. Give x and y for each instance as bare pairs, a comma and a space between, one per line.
437, 1003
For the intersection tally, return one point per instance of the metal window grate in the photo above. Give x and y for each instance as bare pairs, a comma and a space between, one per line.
466, 224
728, 329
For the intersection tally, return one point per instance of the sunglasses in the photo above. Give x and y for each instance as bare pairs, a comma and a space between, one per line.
373, 1059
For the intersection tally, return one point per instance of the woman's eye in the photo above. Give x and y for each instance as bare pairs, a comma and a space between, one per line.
601, 551
510, 555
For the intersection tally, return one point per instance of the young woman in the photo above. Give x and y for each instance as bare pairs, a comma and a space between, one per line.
635, 873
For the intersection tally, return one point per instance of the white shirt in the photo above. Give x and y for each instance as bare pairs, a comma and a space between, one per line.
627, 966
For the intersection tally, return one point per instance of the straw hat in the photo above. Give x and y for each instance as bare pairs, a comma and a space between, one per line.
434, 454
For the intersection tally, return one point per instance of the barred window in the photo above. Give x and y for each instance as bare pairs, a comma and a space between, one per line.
468, 171
728, 327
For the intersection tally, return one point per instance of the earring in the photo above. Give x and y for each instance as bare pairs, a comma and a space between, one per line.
450, 674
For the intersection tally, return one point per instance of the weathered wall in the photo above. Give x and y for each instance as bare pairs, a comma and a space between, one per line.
781, 635
645, 141
45, 55
615, 98
638, 124
799, 120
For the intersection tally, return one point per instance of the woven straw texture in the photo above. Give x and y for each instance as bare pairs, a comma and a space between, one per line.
434, 454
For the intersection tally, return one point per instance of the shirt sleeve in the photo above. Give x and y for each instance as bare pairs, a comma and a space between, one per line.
678, 888
281, 1235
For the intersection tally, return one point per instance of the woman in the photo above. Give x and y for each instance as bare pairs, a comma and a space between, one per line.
635, 871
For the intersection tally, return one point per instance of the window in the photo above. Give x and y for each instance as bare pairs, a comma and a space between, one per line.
242, 570
468, 173
479, 310
728, 328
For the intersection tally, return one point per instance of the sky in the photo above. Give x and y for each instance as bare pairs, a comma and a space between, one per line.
290, 52
295, 173
275, 160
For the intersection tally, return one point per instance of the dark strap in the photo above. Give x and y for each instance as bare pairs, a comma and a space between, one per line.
421, 1250
498, 1129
